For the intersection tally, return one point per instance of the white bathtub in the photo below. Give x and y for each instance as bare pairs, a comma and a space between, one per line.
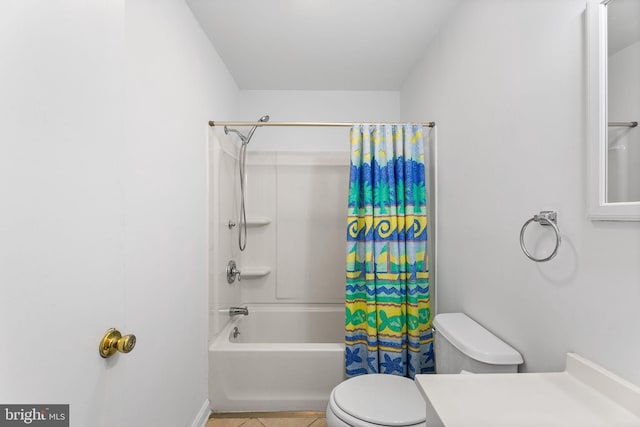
287, 357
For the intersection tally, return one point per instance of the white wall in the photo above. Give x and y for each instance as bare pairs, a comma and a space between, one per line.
103, 166
313, 106
176, 82
505, 82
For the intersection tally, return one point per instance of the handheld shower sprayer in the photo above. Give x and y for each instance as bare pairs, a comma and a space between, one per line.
263, 119
242, 229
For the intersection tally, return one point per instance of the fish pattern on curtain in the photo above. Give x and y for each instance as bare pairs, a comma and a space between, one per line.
388, 307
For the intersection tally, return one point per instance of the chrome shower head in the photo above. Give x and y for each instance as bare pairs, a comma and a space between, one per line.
245, 139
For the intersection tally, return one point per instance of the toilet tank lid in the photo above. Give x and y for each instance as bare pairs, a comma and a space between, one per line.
474, 340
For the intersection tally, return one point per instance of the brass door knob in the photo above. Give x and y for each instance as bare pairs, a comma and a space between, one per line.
113, 341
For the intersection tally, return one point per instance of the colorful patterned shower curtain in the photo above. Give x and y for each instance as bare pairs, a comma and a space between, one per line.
388, 308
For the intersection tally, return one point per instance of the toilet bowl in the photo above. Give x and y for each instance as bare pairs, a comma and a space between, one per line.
376, 400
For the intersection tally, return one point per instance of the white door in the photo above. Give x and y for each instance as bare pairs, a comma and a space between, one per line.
62, 263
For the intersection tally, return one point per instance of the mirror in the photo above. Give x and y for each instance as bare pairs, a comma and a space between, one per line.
623, 101
614, 109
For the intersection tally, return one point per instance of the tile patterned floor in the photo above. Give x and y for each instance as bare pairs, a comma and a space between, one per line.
280, 419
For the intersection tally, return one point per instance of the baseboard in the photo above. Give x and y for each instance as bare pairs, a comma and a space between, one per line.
202, 416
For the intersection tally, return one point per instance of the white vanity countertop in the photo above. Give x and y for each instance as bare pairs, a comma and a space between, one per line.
583, 395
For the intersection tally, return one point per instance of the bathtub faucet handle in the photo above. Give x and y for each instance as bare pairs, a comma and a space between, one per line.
234, 311
232, 272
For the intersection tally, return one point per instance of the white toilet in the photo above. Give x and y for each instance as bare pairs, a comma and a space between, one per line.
377, 400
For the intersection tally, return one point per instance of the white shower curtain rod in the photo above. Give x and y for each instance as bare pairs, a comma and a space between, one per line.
319, 124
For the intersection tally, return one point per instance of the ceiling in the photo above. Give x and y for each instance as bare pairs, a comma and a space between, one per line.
623, 18
320, 44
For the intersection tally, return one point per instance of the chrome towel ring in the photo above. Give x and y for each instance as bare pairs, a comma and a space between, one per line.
544, 218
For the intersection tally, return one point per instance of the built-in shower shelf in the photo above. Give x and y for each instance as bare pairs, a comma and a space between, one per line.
258, 221
255, 272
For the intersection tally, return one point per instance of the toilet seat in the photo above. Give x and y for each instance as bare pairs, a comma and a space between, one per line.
377, 400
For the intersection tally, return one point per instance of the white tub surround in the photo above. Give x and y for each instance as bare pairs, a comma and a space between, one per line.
297, 213
583, 395
280, 357
288, 353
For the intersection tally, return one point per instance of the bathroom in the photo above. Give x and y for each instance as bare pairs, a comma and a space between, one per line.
105, 180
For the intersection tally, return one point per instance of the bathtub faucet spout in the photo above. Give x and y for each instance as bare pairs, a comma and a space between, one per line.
234, 311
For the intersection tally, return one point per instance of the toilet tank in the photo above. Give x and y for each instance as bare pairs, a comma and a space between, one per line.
461, 344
